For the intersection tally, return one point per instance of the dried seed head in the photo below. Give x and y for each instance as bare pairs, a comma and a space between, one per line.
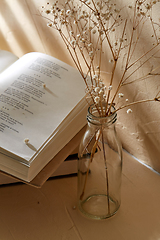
129, 111
26, 140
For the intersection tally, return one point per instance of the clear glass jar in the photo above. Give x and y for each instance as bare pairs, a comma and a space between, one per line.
99, 167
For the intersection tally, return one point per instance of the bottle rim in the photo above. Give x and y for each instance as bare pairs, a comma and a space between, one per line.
94, 118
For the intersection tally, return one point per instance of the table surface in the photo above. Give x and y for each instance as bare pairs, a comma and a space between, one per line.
49, 212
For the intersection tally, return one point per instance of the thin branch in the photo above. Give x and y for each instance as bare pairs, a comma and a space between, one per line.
114, 67
100, 20
139, 67
88, 168
125, 69
157, 99
143, 56
154, 30
106, 172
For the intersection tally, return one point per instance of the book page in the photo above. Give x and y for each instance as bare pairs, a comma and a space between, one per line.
36, 94
6, 59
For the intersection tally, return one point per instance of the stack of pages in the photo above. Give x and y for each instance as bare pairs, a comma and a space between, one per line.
42, 107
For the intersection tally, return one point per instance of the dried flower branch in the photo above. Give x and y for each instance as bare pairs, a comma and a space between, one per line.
89, 27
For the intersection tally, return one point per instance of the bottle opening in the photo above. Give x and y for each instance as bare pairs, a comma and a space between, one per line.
96, 115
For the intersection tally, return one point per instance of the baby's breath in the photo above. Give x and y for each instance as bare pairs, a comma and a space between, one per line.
120, 95
129, 110
110, 87
89, 28
26, 141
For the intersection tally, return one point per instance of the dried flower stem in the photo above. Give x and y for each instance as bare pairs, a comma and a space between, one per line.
90, 160
87, 28
106, 172
157, 99
137, 60
141, 65
113, 71
82, 19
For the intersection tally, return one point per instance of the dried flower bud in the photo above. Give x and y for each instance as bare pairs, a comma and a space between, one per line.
49, 24
90, 45
83, 40
129, 111
73, 43
95, 77
120, 95
110, 87
68, 12
104, 96
101, 92
47, 11
111, 61
91, 53
26, 140
97, 99
97, 89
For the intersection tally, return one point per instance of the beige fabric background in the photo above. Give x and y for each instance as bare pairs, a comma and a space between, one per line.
22, 31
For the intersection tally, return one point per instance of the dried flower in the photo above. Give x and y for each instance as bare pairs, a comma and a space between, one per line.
110, 87
48, 11
73, 43
26, 140
97, 89
49, 24
120, 95
88, 28
97, 99
91, 53
129, 110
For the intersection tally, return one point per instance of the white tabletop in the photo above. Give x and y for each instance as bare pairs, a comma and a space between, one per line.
49, 212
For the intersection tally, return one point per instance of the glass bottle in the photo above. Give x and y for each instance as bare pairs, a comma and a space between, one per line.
99, 167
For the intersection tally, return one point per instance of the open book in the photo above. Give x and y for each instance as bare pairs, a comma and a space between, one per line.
42, 107
67, 168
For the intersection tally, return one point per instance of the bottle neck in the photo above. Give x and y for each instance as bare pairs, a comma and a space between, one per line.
93, 117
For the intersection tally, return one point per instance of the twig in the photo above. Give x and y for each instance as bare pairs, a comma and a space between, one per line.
90, 160
137, 102
106, 172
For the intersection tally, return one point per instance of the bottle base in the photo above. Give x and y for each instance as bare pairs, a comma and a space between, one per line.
98, 206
